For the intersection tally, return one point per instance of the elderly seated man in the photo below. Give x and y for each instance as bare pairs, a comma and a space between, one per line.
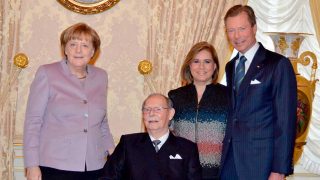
156, 154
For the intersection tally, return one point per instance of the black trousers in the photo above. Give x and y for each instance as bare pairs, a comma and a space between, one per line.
56, 174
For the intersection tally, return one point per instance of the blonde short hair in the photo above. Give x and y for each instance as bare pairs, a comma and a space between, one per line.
77, 31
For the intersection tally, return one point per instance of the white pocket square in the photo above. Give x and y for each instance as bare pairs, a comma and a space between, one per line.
255, 82
175, 157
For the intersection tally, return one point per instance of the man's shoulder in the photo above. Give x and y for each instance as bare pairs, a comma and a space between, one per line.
134, 135
274, 55
229, 63
183, 141
276, 60
130, 141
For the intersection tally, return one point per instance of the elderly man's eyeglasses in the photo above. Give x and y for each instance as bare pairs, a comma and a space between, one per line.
147, 110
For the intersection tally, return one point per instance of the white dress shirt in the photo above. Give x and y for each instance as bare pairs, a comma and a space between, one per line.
163, 139
249, 55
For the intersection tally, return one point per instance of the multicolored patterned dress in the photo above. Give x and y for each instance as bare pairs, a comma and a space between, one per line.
203, 123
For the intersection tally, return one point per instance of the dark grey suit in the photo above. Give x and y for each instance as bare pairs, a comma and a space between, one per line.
135, 158
261, 123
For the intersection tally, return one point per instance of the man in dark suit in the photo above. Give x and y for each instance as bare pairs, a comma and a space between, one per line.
138, 156
260, 133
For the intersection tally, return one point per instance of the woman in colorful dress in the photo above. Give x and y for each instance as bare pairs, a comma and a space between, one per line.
201, 106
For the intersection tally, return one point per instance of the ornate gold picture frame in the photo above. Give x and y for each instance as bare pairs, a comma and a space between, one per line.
88, 6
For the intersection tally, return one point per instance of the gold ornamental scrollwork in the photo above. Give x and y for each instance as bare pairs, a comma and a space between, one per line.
21, 60
145, 67
282, 43
295, 45
288, 45
304, 59
88, 6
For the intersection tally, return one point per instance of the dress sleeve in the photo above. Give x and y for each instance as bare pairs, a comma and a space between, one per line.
36, 106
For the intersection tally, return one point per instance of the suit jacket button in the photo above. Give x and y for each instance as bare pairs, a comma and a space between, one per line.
85, 130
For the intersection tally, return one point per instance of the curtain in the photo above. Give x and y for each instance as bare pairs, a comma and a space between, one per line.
295, 16
315, 12
9, 18
310, 158
175, 26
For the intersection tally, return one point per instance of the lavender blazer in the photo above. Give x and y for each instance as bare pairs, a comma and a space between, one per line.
66, 123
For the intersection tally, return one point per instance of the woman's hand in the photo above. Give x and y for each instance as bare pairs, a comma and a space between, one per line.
33, 173
110, 151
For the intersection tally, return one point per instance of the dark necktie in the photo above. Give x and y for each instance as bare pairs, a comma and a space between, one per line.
240, 72
156, 143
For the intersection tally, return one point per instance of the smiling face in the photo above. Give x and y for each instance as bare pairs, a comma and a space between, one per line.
202, 67
157, 115
240, 32
79, 51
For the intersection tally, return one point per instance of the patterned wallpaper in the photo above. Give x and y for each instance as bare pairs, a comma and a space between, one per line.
123, 32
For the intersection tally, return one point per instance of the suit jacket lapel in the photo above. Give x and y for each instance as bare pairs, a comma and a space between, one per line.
170, 145
230, 70
255, 66
171, 167
146, 145
146, 149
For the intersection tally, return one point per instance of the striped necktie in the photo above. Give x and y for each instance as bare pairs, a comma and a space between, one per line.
240, 72
156, 143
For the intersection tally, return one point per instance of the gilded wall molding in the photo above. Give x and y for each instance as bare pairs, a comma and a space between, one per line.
88, 6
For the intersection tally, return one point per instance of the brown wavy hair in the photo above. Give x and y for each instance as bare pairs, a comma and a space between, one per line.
186, 76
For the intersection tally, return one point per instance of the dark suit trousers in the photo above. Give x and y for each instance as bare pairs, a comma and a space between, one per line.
228, 171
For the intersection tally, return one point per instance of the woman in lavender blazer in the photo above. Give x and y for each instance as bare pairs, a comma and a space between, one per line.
66, 133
